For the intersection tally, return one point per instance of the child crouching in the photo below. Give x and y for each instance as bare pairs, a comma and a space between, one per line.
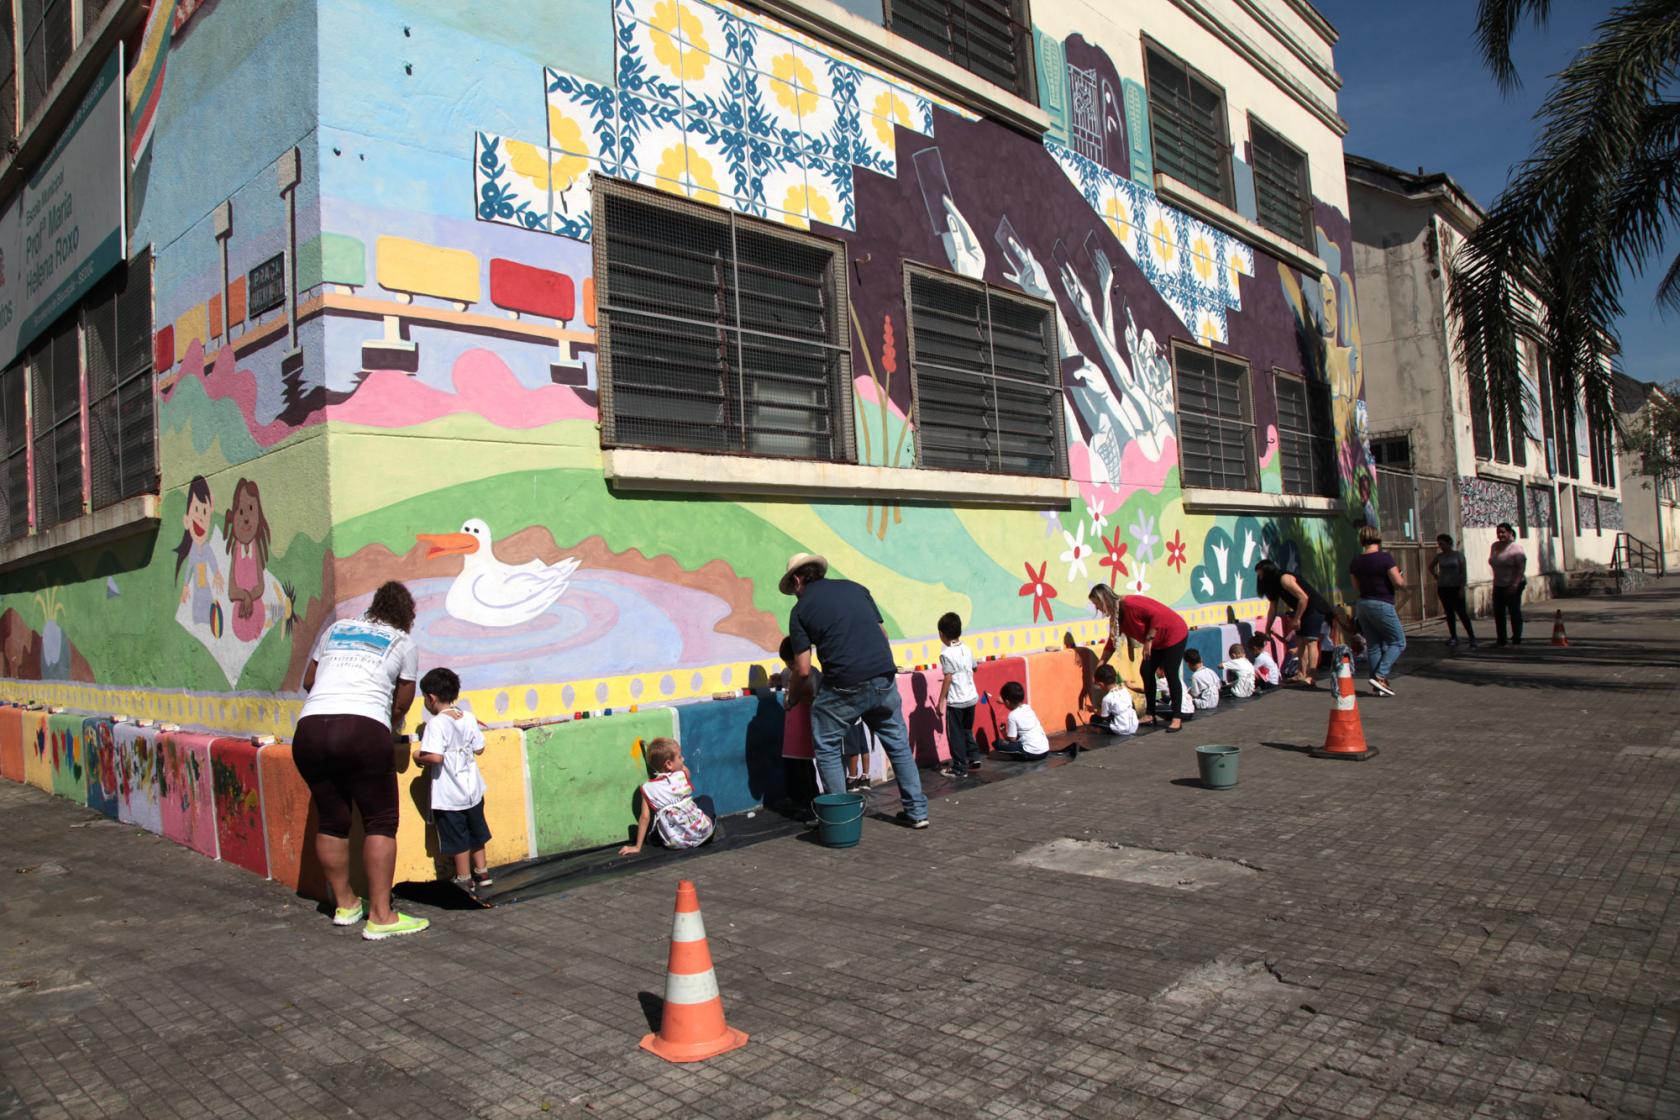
1024, 736
1119, 715
668, 802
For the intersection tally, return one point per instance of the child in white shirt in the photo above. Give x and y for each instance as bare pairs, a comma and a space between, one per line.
1119, 714
1266, 673
667, 802
1241, 672
1024, 736
958, 697
1204, 682
1163, 697
450, 746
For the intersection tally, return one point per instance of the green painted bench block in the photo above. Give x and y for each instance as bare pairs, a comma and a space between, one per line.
332, 258
584, 776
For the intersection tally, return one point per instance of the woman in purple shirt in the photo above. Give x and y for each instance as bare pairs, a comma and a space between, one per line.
1377, 577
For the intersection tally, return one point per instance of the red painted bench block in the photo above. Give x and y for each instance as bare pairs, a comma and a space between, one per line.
531, 291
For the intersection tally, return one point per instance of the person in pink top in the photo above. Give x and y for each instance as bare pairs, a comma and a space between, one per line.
1509, 564
1161, 632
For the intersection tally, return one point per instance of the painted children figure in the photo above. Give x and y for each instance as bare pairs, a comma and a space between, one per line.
1204, 682
1023, 735
1266, 671
1163, 694
1239, 671
245, 530
198, 552
958, 697
451, 745
668, 802
1119, 714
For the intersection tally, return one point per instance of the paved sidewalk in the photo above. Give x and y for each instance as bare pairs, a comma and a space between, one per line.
1479, 922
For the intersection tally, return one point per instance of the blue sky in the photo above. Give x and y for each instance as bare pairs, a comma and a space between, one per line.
1415, 92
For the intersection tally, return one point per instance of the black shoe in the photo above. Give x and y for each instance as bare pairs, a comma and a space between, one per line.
908, 821
1072, 751
975, 765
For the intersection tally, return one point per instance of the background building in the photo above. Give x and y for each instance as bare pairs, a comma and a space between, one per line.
1549, 470
581, 317
1651, 506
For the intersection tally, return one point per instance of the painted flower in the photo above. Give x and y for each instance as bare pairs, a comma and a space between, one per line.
792, 83
672, 169
671, 21
1119, 221
889, 109
1041, 592
1052, 521
1175, 552
1115, 560
566, 142
1076, 553
1139, 585
1201, 257
529, 162
1209, 329
1162, 234
702, 180
1099, 518
803, 202
1143, 532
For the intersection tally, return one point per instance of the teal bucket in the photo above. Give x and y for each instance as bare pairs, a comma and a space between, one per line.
839, 819
1218, 765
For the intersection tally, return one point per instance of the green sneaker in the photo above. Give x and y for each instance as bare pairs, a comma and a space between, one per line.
404, 924
344, 917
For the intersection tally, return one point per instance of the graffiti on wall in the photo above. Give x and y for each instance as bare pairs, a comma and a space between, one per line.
1486, 502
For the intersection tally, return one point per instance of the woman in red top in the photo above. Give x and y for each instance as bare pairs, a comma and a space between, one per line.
1163, 635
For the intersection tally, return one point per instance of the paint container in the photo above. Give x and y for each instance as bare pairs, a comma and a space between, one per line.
262, 740
633, 708
606, 711
170, 727
57, 711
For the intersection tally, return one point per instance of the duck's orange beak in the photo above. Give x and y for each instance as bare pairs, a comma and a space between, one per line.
448, 544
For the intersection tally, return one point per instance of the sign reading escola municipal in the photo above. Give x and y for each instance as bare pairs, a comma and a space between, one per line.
66, 229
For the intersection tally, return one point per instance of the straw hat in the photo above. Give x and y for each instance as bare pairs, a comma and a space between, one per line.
795, 562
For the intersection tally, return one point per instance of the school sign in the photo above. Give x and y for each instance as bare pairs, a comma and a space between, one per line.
65, 229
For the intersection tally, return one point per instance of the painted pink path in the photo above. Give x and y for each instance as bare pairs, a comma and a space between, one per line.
483, 385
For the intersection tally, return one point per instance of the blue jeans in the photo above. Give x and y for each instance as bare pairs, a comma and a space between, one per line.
1380, 623
877, 704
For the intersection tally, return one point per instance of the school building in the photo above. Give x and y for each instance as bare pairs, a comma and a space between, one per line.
1445, 461
581, 316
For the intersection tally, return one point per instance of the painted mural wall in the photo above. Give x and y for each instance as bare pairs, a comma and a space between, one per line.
421, 402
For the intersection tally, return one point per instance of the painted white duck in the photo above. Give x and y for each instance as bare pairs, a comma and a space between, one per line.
489, 592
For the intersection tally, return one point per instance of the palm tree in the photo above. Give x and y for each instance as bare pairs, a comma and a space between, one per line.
1595, 195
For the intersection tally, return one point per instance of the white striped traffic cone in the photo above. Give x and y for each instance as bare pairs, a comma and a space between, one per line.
692, 1027
1345, 737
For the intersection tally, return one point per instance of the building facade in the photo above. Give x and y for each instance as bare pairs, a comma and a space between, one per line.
1550, 471
581, 317
1652, 505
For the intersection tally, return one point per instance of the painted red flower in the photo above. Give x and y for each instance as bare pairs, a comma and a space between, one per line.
1041, 592
1175, 552
1115, 561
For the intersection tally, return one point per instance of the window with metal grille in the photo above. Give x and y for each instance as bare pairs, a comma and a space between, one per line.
1215, 419
14, 454
1187, 123
985, 378
55, 388
8, 72
122, 447
988, 38
1392, 451
1306, 447
717, 332
48, 42
1282, 191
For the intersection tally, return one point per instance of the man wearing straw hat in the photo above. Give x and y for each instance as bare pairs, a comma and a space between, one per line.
859, 679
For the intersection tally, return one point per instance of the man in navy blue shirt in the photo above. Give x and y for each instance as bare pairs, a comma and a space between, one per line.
839, 619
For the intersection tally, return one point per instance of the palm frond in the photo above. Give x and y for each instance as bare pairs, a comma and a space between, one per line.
1668, 290
1496, 26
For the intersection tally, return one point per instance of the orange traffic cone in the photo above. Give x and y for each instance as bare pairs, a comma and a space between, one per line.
1559, 638
1345, 738
692, 1028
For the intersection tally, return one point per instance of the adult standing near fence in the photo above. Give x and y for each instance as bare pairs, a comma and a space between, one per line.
1378, 578
1451, 572
1163, 634
360, 681
1306, 613
1510, 566
839, 619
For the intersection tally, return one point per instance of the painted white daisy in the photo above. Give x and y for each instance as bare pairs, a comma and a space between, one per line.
1099, 518
1077, 553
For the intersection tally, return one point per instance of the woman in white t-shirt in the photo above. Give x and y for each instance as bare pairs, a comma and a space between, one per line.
360, 682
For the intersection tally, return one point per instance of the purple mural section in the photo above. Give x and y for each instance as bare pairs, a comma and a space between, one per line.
1485, 502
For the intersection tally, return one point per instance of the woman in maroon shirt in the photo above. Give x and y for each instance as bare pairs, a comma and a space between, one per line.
1163, 635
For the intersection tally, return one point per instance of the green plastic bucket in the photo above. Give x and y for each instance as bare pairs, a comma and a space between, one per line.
839, 819
1218, 765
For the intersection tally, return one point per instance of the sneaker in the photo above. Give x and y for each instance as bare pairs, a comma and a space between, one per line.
1381, 687
482, 878
1072, 751
958, 771
349, 917
975, 765
403, 926
908, 821
1452, 643
1475, 644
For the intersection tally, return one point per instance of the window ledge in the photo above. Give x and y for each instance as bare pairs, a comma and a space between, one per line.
125, 519
1199, 500
1504, 472
692, 472
1216, 213
880, 47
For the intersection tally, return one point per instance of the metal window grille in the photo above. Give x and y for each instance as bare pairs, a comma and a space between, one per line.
985, 379
122, 444
1392, 451
1282, 194
14, 454
8, 73
718, 333
1306, 448
1187, 123
48, 42
989, 38
1215, 420
55, 386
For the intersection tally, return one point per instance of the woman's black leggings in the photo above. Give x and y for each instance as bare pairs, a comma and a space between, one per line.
1452, 602
1171, 659
348, 760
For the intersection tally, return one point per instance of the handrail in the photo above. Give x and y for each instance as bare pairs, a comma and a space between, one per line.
1633, 554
